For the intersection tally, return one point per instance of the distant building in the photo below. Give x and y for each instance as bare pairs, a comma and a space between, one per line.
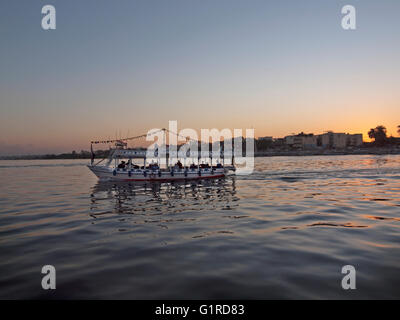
355, 140
328, 140
279, 142
333, 140
394, 140
301, 141
265, 139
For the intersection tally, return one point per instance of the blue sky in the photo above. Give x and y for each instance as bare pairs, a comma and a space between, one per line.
278, 66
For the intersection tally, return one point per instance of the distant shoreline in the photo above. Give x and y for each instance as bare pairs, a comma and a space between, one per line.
300, 153
269, 153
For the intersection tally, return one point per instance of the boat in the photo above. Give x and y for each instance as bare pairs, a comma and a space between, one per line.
121, 166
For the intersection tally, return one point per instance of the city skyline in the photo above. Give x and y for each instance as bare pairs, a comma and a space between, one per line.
127, 67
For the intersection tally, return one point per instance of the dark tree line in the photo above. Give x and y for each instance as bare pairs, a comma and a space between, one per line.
379, 134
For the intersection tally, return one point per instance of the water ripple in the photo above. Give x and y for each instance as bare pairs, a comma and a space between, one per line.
283, 232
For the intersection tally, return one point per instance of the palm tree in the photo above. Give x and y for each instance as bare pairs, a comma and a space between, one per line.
379, 134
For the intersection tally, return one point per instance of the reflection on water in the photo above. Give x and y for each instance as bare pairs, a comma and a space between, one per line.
162, 198
283, 232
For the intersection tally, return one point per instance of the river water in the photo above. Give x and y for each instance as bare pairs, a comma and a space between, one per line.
285, 231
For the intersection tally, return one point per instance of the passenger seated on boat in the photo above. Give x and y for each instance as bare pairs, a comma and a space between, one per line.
135, 166
219, 165
153, 166
122, 165
192, 166
179, 164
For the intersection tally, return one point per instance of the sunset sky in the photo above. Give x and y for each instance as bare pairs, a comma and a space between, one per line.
127, 66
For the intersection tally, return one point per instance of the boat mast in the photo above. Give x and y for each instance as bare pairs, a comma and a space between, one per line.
165, 147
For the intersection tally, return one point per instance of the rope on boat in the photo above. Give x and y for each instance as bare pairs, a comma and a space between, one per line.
99, 161
181, 136
122, 140
127, 139
143, 136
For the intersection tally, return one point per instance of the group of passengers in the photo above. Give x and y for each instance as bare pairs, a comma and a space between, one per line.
155, 166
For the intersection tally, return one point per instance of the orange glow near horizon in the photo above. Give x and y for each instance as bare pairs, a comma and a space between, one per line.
60, 141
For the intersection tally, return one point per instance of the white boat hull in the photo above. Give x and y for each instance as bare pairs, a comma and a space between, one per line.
107, 173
